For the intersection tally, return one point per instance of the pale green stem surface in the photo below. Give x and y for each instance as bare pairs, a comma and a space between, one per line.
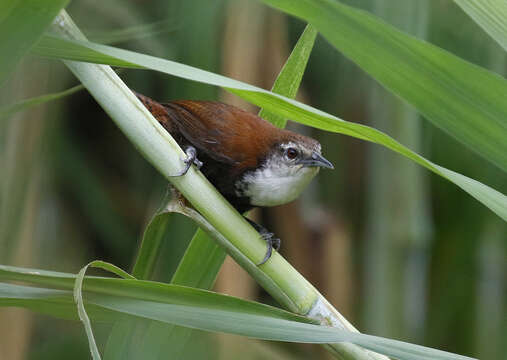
277, 276
321, 310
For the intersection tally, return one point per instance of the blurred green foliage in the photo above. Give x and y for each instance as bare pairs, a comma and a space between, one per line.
98, 207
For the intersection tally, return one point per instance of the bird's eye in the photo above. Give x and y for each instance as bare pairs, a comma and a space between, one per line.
291, 153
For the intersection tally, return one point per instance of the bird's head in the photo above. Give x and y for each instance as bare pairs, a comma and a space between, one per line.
289, 164
296, 153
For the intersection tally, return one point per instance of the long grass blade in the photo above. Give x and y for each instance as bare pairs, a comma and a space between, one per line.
78, 298
491, 15
6, 111
274, 103
203, 259
202, 310
288, 81
466, 101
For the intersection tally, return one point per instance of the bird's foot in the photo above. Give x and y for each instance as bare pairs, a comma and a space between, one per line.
189, 160
271, 241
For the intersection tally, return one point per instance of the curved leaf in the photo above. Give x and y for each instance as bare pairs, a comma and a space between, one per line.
465, 100
205, 310
274, 103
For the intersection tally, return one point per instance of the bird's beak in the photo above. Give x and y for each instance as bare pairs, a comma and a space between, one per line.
316, 160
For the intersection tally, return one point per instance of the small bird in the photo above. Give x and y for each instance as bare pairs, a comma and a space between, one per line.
251, 162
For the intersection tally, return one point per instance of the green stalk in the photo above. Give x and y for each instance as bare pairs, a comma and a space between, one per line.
241, 241
397, 232
203, 259
321, 310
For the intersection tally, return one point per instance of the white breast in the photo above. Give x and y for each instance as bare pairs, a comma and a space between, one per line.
275, 185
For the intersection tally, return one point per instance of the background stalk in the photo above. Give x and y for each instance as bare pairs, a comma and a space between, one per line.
399, 225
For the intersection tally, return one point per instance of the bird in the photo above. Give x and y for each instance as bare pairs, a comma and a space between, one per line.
251, 162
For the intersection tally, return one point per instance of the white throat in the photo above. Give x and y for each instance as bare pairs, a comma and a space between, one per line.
275, 183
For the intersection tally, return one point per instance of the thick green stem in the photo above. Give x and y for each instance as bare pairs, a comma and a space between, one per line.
320, 310
241, 241
162, 151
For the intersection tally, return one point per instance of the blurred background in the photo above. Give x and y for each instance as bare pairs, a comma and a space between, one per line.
402, 253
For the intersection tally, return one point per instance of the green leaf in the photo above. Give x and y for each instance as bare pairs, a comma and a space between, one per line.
465, 100
198, 268
490, 15
22, 22
200, 265
83, 316
203, 259
78, 298
51, 46
56, 303
142, 289
280, 105
155, 234
99, 264
6, 111
288, 81
205, 310
191, 271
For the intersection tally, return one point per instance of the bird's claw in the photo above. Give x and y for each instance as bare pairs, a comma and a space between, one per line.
198, 163
269, 237
272, 242
276, 243
189, 160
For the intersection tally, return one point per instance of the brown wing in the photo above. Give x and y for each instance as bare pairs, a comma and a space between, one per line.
158, 111
219, 130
